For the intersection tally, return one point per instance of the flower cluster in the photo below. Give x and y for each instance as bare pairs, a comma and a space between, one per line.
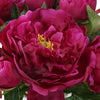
47, 49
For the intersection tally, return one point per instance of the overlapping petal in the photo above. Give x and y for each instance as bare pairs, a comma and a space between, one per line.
9, 77
94, 76
77, 8
34, 4
58, 95
45, 46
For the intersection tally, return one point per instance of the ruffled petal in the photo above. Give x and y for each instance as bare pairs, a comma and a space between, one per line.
58, 95
9, 76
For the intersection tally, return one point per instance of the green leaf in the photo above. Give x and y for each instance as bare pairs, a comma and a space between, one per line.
94, 35
83, 22
14, 12
24, 10
44, 5
16, 93
82, 92
94, 21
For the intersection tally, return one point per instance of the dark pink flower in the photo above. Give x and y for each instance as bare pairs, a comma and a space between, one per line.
45, 46
93, 57
34, 4
9, 77
91, 60
77, 8
6, 7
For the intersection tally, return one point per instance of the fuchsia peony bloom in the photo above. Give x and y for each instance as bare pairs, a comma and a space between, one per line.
6, 7
77, 8
45, 46
34, 4
93, 59
9, 77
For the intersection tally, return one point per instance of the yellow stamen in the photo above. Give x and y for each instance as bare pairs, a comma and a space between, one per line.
42, 40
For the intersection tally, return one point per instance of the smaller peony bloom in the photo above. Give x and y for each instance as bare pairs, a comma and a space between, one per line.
94, 46
34, 4
91, 60
77, 8
6, 7
9, 76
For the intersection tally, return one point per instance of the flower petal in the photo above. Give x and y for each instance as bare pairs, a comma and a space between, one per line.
58, 95
9, 76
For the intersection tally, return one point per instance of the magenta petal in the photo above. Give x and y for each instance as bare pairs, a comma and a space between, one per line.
59, 19
58, 95
9, 76
34, 4
77, 9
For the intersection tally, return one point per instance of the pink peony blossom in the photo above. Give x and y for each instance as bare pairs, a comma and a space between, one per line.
77, 8
34, 4
45, 46
93, 56
9, 77
6, 7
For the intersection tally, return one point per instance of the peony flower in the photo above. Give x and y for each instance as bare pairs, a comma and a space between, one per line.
34, 4
77, 8
93, 57
9, 77
45, 46
6, 7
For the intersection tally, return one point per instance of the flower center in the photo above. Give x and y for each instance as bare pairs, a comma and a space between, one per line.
42, 40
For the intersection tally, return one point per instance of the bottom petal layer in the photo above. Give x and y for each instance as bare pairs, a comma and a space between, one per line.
58, 95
